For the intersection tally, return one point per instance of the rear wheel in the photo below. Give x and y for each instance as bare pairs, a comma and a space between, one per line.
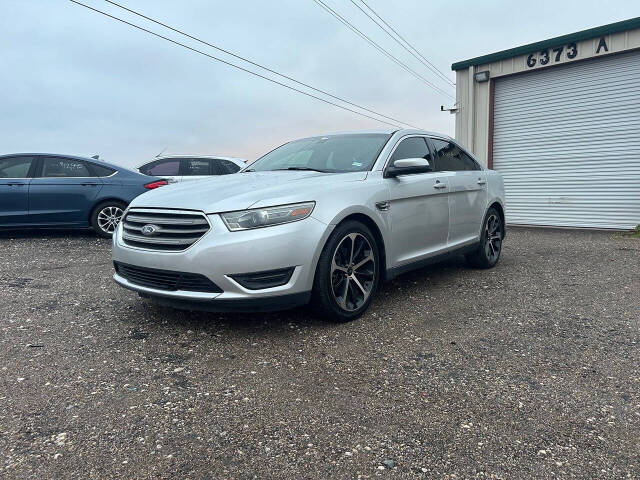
348, 273
488, 252
106, 217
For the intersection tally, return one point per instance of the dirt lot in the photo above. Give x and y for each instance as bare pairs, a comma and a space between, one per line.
530, 370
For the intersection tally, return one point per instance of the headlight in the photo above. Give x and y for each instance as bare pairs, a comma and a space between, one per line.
266, 217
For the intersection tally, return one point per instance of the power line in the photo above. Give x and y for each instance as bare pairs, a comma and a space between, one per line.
417, 54
230, 64
442, 75
335, 97
380, 49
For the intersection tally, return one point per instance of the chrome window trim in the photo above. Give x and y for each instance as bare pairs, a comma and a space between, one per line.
81, 178
109, 176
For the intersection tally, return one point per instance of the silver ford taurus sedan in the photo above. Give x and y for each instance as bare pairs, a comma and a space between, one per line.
323, 219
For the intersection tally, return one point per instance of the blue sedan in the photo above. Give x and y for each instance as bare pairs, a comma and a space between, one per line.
45, 190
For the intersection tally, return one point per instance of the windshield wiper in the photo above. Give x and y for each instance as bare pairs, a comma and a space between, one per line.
303, 169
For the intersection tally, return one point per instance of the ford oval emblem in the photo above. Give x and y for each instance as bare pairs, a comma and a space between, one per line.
150, 229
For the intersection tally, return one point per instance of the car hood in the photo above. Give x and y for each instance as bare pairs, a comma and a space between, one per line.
243, 190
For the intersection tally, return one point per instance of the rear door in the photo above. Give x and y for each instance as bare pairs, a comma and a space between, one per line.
63, 192
418, 205
14, 189
467, 191
195, 168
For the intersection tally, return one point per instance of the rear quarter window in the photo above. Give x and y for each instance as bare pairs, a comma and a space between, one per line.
162, 167
101, 170
452, 158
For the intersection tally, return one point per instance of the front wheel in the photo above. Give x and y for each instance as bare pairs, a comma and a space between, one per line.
488, 252
347, 274
106, 217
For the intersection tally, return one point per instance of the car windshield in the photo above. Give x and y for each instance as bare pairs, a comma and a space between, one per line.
334, 153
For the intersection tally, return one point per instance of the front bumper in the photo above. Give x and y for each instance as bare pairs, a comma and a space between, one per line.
219, 254
262, 304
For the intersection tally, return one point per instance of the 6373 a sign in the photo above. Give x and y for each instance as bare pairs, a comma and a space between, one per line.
544, 57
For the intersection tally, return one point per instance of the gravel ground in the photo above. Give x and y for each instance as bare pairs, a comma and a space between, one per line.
529, 370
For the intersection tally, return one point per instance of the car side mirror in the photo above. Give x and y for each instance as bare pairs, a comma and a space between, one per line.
408, 166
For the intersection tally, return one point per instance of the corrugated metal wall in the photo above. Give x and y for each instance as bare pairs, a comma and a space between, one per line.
476, 139
567, 141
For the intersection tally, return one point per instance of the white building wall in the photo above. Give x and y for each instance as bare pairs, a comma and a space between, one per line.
472, 117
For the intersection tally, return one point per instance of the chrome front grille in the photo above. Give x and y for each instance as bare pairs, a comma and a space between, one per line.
167, 230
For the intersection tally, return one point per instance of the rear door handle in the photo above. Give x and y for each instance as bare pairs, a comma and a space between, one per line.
481, 182
440, 185
88, 184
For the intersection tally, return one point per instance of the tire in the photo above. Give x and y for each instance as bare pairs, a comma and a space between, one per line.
357, 273
106, 216
488, 252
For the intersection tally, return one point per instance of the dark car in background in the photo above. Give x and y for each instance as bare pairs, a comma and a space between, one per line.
49, 190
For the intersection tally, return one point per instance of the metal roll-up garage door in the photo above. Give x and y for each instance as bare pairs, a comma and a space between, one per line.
567, 141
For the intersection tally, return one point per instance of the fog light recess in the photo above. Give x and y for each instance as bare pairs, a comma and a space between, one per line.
266, 279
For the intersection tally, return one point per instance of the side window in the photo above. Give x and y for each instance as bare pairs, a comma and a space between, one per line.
101, 170
469, 162
161, 168
225, 166
412, 147
451, 158
58, 167
195, 166
15, 167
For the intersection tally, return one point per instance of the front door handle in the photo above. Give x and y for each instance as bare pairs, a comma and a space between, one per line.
481, 182
16, 184
439, 185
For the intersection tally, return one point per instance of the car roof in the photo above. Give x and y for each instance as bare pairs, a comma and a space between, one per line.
385, 131
417, 131
62, 155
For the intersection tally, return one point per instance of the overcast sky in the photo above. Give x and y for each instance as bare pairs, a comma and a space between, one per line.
73, 81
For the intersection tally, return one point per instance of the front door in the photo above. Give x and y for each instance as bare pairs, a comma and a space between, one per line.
418, 206
62, 193
14, 189
467, 192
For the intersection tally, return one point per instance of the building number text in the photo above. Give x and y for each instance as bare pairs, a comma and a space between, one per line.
545, 56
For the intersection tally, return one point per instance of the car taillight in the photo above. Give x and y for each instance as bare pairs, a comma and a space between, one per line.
157, 184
